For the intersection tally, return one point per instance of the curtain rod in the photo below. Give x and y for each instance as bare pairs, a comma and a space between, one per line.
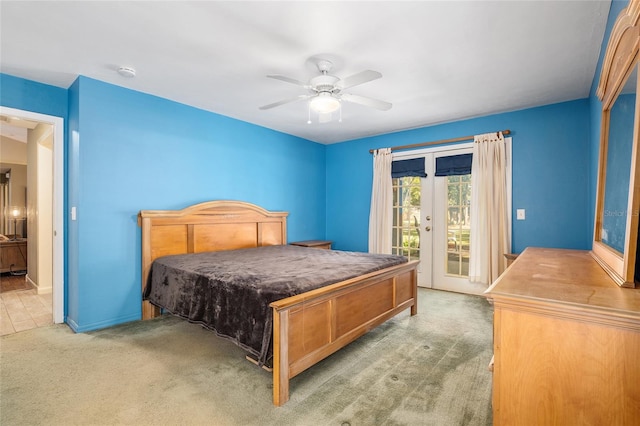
421, 144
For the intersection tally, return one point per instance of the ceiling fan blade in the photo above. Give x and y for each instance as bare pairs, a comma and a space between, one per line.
362, 100
289, 80
359, 78
285, 101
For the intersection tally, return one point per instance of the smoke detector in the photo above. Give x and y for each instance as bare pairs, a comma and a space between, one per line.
127, 72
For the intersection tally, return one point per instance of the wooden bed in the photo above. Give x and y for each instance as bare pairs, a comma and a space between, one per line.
307, 327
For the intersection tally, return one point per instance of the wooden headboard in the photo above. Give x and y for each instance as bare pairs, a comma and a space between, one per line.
210, 226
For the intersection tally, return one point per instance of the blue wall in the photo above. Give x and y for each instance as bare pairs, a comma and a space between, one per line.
73, 286
135, 151
550, 175
32, 96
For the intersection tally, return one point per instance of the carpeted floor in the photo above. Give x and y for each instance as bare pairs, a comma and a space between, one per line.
430, 369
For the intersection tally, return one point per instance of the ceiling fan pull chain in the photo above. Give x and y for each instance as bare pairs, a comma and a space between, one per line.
309, 112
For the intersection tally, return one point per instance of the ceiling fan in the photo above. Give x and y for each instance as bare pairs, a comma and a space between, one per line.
325, 91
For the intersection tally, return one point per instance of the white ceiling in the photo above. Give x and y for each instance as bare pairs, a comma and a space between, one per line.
16, 128
440, 61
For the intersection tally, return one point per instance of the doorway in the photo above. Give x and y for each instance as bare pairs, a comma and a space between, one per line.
53, 233
432, 221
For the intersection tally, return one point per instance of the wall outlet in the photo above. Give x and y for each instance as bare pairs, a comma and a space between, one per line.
520, 214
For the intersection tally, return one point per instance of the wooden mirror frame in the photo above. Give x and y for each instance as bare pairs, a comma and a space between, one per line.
620, 59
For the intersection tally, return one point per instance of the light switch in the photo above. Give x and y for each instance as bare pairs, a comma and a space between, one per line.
520, 214
73, 213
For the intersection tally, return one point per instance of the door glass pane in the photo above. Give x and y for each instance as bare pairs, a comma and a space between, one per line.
406, 217
458, 225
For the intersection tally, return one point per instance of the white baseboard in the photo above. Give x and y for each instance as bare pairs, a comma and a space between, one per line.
39, 289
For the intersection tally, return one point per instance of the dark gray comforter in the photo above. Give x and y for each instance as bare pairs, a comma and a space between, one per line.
229, 292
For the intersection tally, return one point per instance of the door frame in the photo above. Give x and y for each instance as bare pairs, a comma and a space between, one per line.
427, 249
58, 203
444, 281
430, 169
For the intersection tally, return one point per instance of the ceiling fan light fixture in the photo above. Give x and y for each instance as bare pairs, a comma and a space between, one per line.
324, 103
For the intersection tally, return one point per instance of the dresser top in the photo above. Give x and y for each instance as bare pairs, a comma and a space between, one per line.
13, 242
569, 277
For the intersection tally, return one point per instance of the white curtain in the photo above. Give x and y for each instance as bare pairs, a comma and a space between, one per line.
490, 239
381, 213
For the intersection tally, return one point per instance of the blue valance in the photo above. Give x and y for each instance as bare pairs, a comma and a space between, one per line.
404, 168
454, 165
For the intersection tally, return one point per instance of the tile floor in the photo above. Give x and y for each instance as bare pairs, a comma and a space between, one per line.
24, 309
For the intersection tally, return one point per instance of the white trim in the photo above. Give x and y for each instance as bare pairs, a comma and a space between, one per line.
58, 202
39, 290
45, 134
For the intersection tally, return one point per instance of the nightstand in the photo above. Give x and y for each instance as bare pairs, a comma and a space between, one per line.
13, 255
321, 244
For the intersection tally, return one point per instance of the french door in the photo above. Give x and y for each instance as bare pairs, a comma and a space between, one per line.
432, 223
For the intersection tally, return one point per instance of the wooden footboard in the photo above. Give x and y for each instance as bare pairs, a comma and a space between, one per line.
311, 326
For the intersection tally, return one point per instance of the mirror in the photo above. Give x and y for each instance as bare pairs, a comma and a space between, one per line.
618, 166
616, 226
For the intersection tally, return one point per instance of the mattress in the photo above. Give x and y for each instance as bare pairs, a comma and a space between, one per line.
229, 292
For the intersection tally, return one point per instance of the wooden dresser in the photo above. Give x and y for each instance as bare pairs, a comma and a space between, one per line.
13, 255
566, 343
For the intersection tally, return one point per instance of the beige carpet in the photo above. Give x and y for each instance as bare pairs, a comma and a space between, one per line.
430, 369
